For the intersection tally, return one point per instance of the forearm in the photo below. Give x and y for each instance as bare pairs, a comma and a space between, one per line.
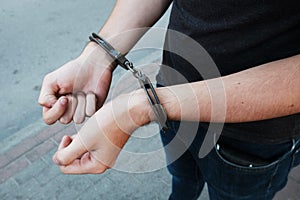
130, 19
267, 91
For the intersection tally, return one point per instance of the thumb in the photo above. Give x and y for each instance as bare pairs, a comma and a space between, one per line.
51, 115
47, 100
47, 96
67, 155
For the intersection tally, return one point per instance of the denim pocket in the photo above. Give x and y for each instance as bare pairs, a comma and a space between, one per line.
238, 179
240, 161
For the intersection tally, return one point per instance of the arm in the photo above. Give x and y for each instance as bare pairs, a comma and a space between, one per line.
129, 20
88, 77
263, 92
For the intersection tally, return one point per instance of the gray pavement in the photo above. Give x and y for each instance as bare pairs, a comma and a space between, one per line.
37, 37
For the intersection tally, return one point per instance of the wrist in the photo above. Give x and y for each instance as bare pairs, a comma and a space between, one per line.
141, 111
139, 108
170, 102
95, 54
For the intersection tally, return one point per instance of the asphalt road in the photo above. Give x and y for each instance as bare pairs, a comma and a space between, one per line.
37, 37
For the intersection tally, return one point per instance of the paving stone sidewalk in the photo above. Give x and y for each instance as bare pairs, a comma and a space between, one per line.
27, 172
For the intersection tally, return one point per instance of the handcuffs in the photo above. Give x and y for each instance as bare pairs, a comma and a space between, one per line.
144, 81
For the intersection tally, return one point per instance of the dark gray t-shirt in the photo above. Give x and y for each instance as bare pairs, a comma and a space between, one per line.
238, 35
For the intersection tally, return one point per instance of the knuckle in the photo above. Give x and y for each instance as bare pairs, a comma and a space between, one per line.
101, 169
48, 121
78, 120
64, 170
64, 120
89, 112
61, 162
47, 77
41, 101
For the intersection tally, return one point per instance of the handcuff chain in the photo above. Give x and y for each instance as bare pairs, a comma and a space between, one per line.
137, 73
144, 80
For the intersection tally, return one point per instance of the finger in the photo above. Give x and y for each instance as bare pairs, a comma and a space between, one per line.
65, 141
79, 115
47, 96
85, 165
51, 115
68, 115
90, 104
67, 155
47, 100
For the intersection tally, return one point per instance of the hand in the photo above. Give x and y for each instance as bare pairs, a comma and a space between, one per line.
72, 91
97, 145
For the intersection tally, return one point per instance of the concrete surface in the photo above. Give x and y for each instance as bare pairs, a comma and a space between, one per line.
37, 37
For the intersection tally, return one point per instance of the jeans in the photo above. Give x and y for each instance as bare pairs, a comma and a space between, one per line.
232, 169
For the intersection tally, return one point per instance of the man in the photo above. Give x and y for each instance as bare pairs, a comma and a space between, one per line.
255, 46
